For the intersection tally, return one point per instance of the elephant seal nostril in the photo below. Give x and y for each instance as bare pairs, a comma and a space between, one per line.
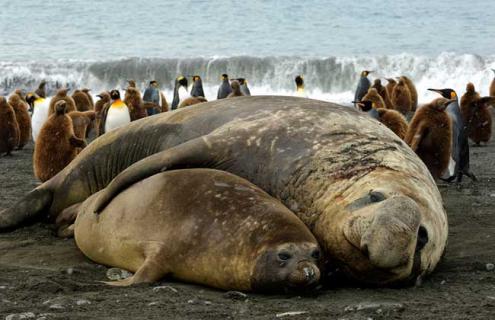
422, 238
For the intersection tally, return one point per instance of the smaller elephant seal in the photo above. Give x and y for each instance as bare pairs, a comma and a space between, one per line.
227, 234
56, 145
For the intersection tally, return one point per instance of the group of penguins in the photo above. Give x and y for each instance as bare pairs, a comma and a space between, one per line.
60, 126
438, 131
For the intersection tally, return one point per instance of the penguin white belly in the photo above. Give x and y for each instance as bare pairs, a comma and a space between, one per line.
183, 94
301, 93
117, 117
40, 114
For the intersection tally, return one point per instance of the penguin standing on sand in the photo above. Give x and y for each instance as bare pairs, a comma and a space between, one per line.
299, 80
9, 128
412, 90
41, 108
479, 120
430, 136
99, 106
363, 85
382, 91
22, 116
117, 114
236, 89
391, 83
180, 91
373, 96
151, 97
401, 97
460, 145
90, 98
492, 86
244, 86
224, 90
197, 87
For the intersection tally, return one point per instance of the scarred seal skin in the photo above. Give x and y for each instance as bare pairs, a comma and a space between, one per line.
203, 226
368, 199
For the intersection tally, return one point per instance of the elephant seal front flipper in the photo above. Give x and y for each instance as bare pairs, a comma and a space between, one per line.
194, 153
28, 208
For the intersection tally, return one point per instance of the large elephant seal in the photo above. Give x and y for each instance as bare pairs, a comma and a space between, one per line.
203, 226
369, 200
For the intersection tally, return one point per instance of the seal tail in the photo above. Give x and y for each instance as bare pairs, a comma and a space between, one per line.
28, 209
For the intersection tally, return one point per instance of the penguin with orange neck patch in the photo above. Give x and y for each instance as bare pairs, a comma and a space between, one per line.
116, 113
363, 85
430, 136
460, 145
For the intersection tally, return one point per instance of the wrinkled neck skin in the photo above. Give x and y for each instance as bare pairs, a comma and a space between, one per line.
381, 220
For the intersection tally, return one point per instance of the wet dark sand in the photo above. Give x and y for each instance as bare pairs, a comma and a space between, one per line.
51, 279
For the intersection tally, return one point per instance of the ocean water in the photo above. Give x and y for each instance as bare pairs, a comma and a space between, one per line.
101, 44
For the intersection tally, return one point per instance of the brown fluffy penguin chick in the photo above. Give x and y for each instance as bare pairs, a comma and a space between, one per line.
479, 120
134, 102
9, 128
62, 96
104, 99
390, 87
81, 100
467, 99
90, 98
236, 89
430, 135
401, 97
132, 84
21, 95
192, 101
382, 91
23, 119
56, 144
393, 120
81, 122
373, 96
412, 89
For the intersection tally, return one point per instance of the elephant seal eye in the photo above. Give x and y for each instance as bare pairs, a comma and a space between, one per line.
376, 196
284, 256
316, 254
422, 238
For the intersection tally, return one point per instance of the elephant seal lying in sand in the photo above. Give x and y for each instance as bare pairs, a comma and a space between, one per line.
204, 226
369, 200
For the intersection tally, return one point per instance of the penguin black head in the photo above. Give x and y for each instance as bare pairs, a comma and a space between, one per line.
299, 80
446, 93
153, 82
115, 94
364, 105
365, 73
182, 81
31, 97
225, 76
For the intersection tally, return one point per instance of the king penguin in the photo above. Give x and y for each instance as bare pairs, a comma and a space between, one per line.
224, 90
118, 114
180, 91
244, 86
460, 145
41, 90
363, 85
299, 80
41, 108
197, 87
